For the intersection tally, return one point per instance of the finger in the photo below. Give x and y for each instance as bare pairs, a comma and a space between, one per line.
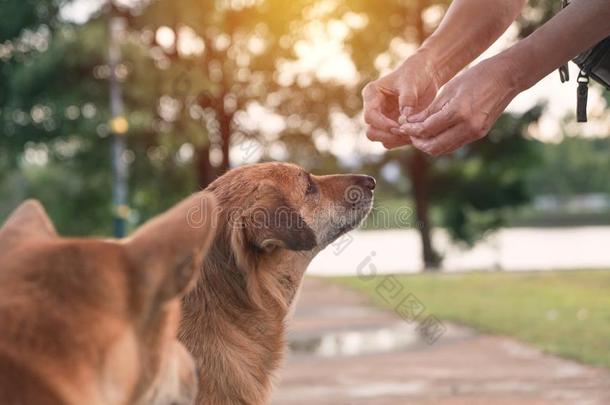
372, 96
434, 124
396, 144
405, 112
389, 140
446, 142
435, 106
373, 101
398, 140
377, 135
407, 101
413, 102
374, 117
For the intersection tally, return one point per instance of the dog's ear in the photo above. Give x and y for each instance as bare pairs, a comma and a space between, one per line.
272, 222
28, 221
168, 250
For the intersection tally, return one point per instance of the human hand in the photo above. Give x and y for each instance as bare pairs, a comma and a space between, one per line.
465, 110
407, 90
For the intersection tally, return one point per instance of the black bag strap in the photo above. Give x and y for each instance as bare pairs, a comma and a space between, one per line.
582, 95
582, 90
564, 73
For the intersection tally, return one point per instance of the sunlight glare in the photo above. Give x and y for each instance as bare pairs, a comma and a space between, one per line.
189, 43
165, 37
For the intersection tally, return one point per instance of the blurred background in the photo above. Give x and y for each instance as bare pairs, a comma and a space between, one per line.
196, 87
110, 112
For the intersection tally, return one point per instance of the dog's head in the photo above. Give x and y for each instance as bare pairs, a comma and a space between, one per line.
273, 219
98, 319
280, 206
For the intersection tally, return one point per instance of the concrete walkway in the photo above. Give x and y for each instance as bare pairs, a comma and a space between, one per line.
344, 351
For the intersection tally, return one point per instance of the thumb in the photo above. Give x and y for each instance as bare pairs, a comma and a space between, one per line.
422, 115
434, 107
407, 101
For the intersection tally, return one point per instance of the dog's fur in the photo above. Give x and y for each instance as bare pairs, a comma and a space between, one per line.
274, 218
89, 321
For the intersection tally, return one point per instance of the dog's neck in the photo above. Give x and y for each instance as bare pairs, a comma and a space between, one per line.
234, 320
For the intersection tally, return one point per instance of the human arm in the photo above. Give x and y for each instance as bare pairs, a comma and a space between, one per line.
471, 103
460, 38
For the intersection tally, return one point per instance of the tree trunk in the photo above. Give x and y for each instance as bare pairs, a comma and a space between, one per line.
417, 167
224, 121
206, 173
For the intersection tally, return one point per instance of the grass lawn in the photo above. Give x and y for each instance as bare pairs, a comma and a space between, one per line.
564, 313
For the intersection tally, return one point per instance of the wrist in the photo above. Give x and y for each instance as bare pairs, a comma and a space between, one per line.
445, 58
505, 73
517, 62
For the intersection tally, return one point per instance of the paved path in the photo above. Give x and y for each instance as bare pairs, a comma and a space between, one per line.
344, 351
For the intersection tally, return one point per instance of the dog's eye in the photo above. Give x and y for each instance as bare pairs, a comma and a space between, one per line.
311, 187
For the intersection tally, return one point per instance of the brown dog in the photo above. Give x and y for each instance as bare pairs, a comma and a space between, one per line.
86, 321
274, 218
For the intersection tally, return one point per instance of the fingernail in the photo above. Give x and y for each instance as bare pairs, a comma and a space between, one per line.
410, 128
402, 119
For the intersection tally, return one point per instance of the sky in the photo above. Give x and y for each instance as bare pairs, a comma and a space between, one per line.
79, 11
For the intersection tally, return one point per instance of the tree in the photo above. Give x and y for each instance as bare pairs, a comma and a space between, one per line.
44, 101
235, 67
572, 167
471, 188
463, 196
200, 77
54, 125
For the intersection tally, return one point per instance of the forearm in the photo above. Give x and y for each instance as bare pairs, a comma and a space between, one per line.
575, 29
468, 29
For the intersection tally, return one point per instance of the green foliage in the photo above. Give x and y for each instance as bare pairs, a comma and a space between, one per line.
63, 84
573, 166
472, 187
56, 104
51, 113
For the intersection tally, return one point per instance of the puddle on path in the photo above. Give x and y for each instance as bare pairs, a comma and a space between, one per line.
399, 336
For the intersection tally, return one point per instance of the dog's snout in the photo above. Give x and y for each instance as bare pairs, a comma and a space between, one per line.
367, 182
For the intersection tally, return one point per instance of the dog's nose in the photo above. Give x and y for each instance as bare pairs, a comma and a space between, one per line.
366, 182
